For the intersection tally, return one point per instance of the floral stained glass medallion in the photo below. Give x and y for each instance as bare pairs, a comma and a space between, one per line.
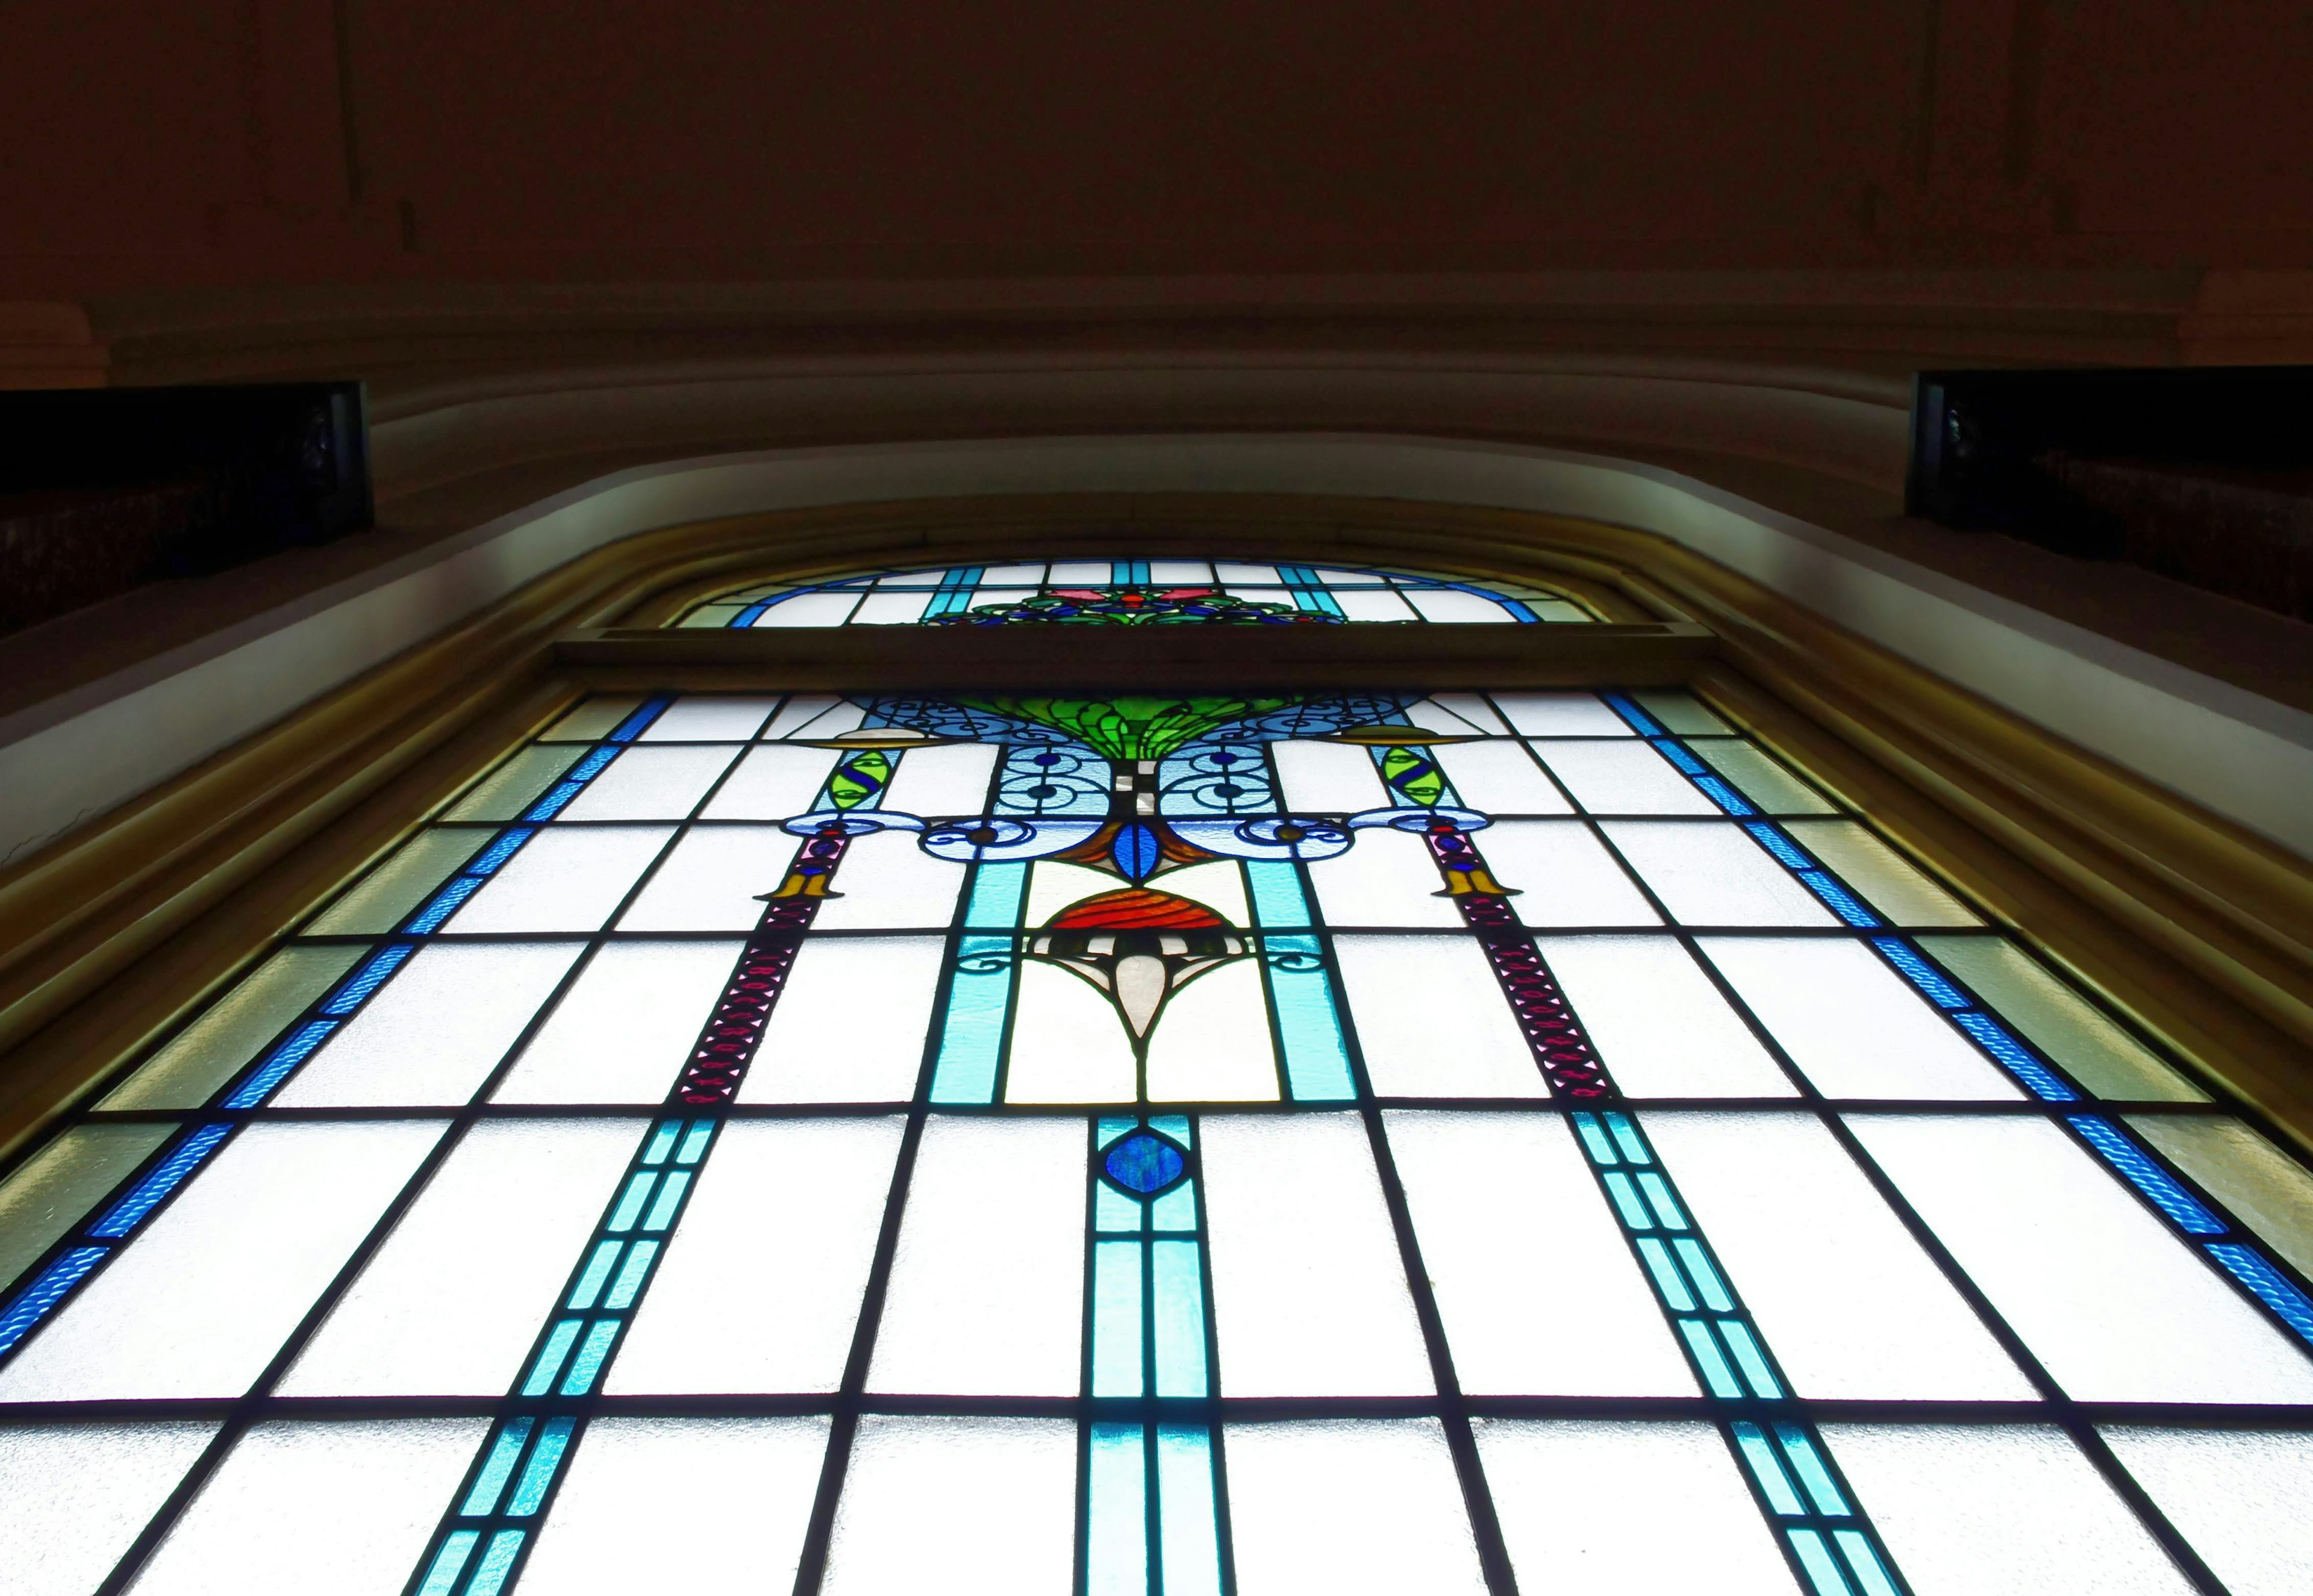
1369, 1142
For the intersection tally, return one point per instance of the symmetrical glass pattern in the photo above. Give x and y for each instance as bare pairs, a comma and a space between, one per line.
1132, 593
1176, 1146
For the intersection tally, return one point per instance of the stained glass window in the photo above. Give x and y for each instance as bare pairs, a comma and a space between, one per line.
1132, 593
1370, 1142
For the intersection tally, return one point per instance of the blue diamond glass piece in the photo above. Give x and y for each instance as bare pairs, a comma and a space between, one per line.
1144, 1164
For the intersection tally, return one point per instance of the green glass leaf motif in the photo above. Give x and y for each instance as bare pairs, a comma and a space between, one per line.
1414, 777
1133, 727
859, 778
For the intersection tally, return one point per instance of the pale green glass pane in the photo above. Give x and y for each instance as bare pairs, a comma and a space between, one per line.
208, 1053
2266, 1190
1889, 881
1761, 779
1680, 713
514, 786
2097, 1053
1559, 610
392, 892
711, 614
593, 720
46, 1197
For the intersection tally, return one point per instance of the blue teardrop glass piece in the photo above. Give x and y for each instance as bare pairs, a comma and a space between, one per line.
1136, 852
1144, 1163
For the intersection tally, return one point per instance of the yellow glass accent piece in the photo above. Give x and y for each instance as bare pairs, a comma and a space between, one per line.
47, 1197
2266, 1190
1761, 779
514, 786
1889, 881
2097, 1053
392, 894
593, 720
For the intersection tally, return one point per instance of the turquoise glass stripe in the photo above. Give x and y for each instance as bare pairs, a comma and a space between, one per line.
1822, 1568
498, 1563
631, 1277
971, 1036
1116, 1319
1316, 1055
694, 1144
1768, 1471
1747, 1353
630, 1202
1809, 1466
662, 1142
1177, 1210
449, 1563
1116, 1527
1112, 1210
1870, 1572
670, 1198
1180, 1320
592, 1356
1716, 1373
551, 1357
1189, 1532
598, 1270
996, 891
1666, 1274
1665, 1207
1626, 1198
505, 1452
544, 1460
1706, 1278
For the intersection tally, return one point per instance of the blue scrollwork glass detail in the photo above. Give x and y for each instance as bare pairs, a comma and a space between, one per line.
1417, 819
1216, 778
851, 823
1052, 778
1287, 837
987, 838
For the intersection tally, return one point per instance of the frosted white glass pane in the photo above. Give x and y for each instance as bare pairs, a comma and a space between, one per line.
1211, 1041
1014, 577
1616, 1508
1791, 1218
800, 1201
943, 780
810, 609
1659, 1025
1219, 886
1373, 604
650, 784
198, 1305
1351, 1508
1852, 1025
775, 782
2116, 1307
447, 1307
709, 720
626, 1028
1308, 1288
1561, 714
849, 1028
1532, 1278
627, 1515
72, 1496
341, 1506
713, 881
1967, 1509
962, 1506
1179, 572
1461, 712
1243, 575
1714, 875
1452, 604
1562, 875
1433, 1019
1069, 1044
433, 1034
1499, 778
889, 610
1387, 879
887, 882
2237, 1496
1623, 778
814, 715
987, 1284
1333, 577
1082, 573
1327, 778
564, 879
914, 578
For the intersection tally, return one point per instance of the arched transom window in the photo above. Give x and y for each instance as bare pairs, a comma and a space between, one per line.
1371, 1140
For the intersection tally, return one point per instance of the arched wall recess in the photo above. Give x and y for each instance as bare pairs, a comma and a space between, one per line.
2194, 924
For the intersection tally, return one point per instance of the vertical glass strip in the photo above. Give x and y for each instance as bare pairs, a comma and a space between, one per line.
1300, 988
1116, 1521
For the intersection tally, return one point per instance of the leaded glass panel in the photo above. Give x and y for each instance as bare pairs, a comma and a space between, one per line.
1368, 1142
